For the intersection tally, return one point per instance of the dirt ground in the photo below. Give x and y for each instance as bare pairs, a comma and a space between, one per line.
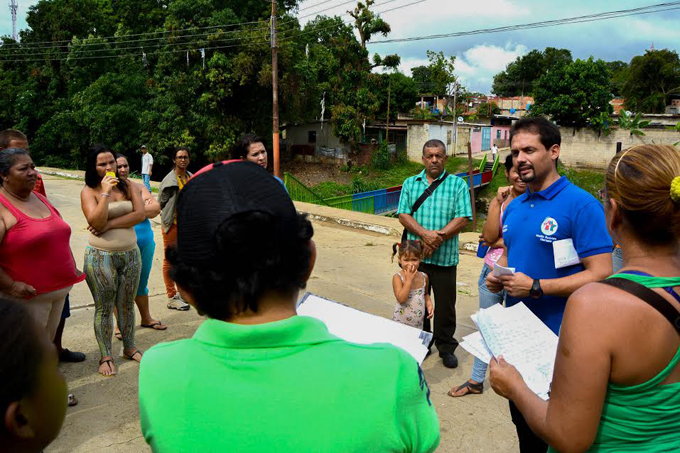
353, 267
313, 174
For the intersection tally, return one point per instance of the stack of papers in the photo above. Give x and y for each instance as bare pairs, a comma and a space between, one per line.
364, 328
521, 338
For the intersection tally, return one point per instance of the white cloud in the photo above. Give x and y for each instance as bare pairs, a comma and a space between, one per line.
476, 66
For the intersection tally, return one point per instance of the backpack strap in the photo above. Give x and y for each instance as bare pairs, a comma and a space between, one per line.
424, 196
652, 298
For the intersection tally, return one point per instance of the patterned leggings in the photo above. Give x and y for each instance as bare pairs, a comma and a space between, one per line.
113, 278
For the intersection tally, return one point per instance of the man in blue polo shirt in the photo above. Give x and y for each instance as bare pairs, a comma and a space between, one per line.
555, 237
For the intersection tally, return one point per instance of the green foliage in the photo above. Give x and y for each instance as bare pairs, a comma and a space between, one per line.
401, 91
487, 111
574, 93
633, 123
521, 75
651, 79
601, 124
381, 159
619, 74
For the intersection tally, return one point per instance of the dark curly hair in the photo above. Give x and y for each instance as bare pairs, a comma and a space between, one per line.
92, 178
249, 262
20, 354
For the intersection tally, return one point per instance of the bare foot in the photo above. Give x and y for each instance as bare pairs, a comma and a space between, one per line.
133, 354
106, 366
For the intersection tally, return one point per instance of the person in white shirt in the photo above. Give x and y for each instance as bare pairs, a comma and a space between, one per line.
147, 166
494, 152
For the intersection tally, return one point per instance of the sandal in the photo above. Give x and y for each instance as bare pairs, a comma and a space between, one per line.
469, 387
72, 400
108, 361
158, 325
132, 356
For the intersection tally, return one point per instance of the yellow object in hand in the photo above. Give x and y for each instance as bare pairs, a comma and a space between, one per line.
111, 174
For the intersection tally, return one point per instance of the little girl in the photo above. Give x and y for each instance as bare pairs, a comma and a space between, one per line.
413, 302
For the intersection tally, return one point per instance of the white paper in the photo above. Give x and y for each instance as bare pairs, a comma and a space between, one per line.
564, 253
499, 270
523, 341
474, 344
364, 328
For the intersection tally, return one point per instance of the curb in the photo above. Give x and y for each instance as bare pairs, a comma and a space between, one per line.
387, 231
63, 174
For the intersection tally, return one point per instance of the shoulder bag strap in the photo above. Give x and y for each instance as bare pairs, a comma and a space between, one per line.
424, 196
656, 301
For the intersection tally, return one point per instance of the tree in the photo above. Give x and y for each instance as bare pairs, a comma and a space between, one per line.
619, 73
367, 23
402, 93
521, 75
633, 123
652, 79
574, 93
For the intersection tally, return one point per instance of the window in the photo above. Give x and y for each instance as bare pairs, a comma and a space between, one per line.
498, 134
311, 137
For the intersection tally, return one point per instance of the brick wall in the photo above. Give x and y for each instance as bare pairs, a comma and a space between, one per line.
586, 149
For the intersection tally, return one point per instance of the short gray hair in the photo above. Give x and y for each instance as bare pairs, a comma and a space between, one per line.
9, 157
434, 143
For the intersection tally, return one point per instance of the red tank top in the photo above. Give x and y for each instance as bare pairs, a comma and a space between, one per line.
37, 251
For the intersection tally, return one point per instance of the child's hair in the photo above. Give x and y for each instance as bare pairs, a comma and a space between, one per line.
414, 248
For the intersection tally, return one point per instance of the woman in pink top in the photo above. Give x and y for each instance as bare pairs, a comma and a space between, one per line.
36, 263
493, 237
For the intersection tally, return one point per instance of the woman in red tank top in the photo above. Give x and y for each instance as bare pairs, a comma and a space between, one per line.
36, 263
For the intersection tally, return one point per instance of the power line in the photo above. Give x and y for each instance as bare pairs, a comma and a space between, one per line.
550, 23
40, 54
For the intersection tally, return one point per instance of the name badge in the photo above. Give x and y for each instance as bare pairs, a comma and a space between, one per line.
565, 253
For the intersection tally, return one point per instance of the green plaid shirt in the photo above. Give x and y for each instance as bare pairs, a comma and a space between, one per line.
449, 201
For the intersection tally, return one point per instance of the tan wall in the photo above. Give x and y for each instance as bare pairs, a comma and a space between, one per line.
418, 134
586, 149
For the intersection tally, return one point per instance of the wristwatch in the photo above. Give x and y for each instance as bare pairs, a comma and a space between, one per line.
536, 290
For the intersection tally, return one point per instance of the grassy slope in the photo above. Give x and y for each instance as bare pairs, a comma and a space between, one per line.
366, 179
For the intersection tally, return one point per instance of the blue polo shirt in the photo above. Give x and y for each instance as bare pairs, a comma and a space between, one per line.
533, 221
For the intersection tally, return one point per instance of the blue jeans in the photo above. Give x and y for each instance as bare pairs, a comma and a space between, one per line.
617, 260
146, 180
486, 299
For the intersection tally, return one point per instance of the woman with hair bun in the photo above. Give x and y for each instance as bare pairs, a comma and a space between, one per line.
616, 384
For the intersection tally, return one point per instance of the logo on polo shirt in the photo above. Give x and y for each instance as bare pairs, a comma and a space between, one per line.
549, 226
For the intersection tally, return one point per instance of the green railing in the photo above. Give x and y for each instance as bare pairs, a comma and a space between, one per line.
495, 163
351, 203
299, 192
482, 164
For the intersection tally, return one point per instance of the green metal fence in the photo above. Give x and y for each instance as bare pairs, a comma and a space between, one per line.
299, 192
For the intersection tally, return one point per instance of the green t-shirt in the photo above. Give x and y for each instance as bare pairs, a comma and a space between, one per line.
286, 386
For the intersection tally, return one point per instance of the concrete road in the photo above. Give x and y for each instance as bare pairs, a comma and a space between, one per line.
353, 267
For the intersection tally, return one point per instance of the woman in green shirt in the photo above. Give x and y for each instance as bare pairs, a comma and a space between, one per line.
256, 377
616, 385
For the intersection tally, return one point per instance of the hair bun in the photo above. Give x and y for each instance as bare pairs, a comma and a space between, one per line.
675, 189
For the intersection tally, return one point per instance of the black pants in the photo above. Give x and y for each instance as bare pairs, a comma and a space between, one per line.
528, 441
443, 286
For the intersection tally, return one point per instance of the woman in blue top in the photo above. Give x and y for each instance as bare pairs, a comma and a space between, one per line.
147, 247
251, 148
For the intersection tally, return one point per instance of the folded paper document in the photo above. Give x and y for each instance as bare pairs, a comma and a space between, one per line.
521, 338
359, 327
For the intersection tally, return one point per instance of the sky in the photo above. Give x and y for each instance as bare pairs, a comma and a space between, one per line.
480, 57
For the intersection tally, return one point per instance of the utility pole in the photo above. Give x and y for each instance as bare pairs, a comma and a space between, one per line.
13, 6
275, 93
389, 95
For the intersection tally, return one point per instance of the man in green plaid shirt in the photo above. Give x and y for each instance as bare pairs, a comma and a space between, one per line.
437, 223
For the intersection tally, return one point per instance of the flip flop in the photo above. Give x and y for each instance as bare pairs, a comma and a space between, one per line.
131, 356
107, 361
471, 389
158, 325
